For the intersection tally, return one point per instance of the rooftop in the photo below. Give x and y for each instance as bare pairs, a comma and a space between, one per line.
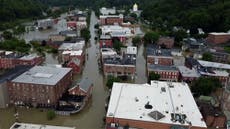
85, 84
36, 126
186, 72
219, 33
156, 51
214, 65
29, 57
117, 60
73, 53
162, 67
139, 101
72, 46
43, 75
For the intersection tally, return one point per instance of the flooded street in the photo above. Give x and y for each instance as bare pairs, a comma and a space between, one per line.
92, 115
140, 66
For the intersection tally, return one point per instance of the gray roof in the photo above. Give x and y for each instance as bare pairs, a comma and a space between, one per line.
127, 59
162, 67
152, 50
85, 84
44, 75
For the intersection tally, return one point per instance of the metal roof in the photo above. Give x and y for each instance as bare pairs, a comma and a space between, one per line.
43, 75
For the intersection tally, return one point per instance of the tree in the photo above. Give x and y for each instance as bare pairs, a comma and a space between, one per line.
205, 85
7, 35
136, 40
151, 37
111, 80
19, 30
179, 35
153, 76
207, 56
117, 45
51, 115
85, 33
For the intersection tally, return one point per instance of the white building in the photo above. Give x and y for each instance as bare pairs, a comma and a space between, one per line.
135, 7
107, 11
36, 126
159, 105
116, 31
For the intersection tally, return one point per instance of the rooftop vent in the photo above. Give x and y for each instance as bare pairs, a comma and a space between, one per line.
163, 89
178, 117
148, 106
156, 115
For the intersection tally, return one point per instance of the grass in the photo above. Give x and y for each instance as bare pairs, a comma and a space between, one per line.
227, 49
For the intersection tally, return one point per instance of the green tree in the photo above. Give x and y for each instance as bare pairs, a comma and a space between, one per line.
111, 80
136, 40
19, 30
151, 37
117, 45
179, 35
7, 35
207, 56
51, 115
205, 85
85, 33
153, 76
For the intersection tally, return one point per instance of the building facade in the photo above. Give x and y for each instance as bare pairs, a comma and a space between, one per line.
40, 86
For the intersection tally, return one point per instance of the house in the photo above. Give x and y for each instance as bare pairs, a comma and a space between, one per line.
68, 33
111, 19
72, 25
107, 52
69, 55
167, 73
159, 56
106, 41
218, 38
167, 42
76, 65
37, 126
39, 86
70, 46
84, 88
159, 105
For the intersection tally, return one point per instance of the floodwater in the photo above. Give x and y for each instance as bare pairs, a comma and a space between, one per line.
91, 117
140, 66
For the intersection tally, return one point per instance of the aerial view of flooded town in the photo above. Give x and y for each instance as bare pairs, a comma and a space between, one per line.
102, 64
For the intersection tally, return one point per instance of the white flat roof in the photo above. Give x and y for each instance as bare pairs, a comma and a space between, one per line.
214, 64
219, 33
178, 99
37, 126
29, 57
73, 53
186, 72
216, 73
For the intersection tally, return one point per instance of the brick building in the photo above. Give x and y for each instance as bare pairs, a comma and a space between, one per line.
84, 88
40, 86
187, 74
161, 105
120, 66
167, 73
56, 37
218, 38
168, 42
11, 59
76, 65
106, 41
111, 19
69, 55
159, 56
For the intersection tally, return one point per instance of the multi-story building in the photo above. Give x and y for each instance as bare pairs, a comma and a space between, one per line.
111, 19
161, 105
120, 66
159, 56
11, 59
187, 74
218, 38
167, 73
41, 85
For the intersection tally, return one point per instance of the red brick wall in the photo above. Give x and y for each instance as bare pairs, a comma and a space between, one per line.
142, 124
111, 20
107, 43
119, 69
166, 75
161, 60
37, 93
217, 39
